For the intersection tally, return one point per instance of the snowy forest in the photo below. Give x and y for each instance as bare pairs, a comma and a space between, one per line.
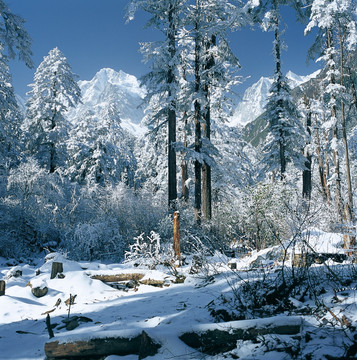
94, 171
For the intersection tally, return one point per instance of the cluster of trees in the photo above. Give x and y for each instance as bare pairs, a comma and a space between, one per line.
90, 187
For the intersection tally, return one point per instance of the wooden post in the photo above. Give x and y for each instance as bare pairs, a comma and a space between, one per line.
57, 267
2, 287
177, 248
49, 327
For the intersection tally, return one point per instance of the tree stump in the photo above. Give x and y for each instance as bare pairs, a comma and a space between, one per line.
57, 267
177, 248
2, 287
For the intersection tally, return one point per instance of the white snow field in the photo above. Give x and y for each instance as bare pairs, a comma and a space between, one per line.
326, 318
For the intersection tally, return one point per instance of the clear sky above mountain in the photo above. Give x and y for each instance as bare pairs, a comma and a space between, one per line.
92, 34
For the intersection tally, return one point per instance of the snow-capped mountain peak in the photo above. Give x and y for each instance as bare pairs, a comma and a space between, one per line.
110, 87
256, 97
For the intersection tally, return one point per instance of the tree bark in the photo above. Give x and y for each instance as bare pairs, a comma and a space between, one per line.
336, 158
177, 248
184, 165
206, 169
57, 267
349, 205
141, 345
172, 180
306, 175
323, 179
197, 108
2, 287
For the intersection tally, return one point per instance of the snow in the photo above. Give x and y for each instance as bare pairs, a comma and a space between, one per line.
256, 96
110, 87
167, 312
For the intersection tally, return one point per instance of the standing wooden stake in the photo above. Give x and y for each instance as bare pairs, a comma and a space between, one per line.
2, 287
49, 327
57, 267
177, 248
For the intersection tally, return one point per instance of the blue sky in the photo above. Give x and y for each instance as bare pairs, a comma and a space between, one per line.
92, 34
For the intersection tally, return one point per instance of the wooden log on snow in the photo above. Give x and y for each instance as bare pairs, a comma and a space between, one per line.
2, 287
118, 277
141, 345
57, 267
223, 337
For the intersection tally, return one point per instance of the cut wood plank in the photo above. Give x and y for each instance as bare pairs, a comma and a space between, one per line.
141, 345
224, 337
118, 277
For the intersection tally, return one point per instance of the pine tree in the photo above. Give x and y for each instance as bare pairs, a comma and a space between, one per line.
100, 150
336, 39
53, 92
14, 41
285, 139
162, 82
213, 75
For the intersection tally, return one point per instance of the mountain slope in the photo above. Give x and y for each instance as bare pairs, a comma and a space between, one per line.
109, 87
256, 97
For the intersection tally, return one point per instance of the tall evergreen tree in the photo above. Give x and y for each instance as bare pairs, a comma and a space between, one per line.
162, 82
213, 72
54, 91
14, 41
336, 39
285, 139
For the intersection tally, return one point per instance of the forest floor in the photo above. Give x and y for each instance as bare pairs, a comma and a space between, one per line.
194, 300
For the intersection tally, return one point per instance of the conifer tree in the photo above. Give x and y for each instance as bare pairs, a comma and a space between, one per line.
336, 38
285, 139
53, 92
14, 41
162, 81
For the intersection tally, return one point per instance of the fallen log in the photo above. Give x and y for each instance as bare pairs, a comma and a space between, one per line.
118, 277
152, 282
222, 337
141, 345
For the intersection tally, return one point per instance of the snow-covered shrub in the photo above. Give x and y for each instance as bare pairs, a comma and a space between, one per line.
147, 251
95, 241
35, 206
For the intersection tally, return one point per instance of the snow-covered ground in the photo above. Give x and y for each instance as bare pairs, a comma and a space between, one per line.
327, 315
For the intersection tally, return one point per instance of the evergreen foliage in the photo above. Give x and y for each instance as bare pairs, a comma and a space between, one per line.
53, 92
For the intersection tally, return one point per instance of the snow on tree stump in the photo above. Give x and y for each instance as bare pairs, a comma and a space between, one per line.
141, 345
57, 268
2, 287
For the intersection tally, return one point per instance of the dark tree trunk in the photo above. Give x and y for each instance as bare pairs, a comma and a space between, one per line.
172, 181
306, 175
206, 169
184, 165
277, 51
197, 107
